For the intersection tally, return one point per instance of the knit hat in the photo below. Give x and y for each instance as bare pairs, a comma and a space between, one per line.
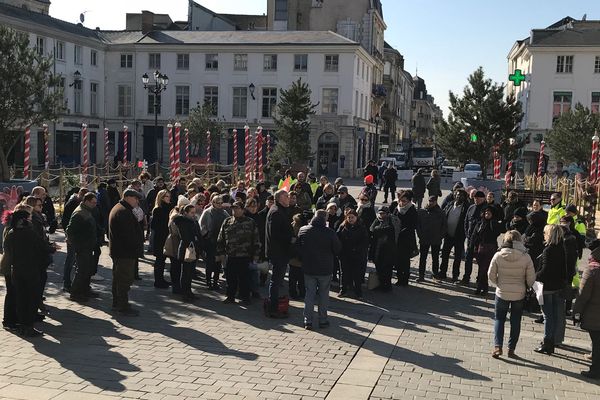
384, 209
344, 189
132, 193
571, 208
368, 179
521, 212
479, 193
182, 201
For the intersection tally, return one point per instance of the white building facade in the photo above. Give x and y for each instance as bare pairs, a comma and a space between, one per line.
240, 73
562, 68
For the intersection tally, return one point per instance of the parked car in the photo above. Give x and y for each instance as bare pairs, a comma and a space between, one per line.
448, 167
472, 171
401, 159
388, 160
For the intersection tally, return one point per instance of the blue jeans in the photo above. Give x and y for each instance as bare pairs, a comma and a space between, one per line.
279, 268
554, 310
516, 312
316, 287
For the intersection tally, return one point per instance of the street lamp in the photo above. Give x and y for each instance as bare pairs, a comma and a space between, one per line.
376, 138
160, 85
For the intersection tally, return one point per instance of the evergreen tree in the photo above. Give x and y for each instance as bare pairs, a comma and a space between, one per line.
571, 136
293, 124
200, 120
481, 114
26, 89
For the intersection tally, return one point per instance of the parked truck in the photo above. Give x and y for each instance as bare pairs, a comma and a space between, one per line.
423, 157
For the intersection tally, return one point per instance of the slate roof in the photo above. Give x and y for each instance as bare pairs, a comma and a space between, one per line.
572, 34
47, 21
225, 38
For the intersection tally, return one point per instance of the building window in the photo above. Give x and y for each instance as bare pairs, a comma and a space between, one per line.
40, 46
330, 101
240, 102
269, 102
597, 65
124, 101
240, 62
60, 51
77, 93
270, 62
595, 102
212, 62
93, 58
61, 87
300, 62
93, 98
211, 97
77, 55
151, 102
126, 60
182, 100
331, 62
281, 10
562, 104
183, 61
154, 61
564, 64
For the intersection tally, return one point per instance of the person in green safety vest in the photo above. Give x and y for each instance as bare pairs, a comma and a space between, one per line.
287, 174
557, 210
312, 181
571, 211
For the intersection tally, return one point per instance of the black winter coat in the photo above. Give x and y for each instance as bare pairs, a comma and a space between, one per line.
553, 268
408, 225
366, 216
323, 200
355, 240
189, 232
520, 226
509, 210
471, 220
384, 239
390, 176
126, 239
486, 232
278, 233
533, 238
431, 225
27, 253
317, 246
70, 206
113, 196
160, 225
418, 185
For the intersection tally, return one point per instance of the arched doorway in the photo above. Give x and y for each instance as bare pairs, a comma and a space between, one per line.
328, 154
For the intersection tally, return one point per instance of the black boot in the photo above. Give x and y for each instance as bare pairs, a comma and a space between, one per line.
546, 347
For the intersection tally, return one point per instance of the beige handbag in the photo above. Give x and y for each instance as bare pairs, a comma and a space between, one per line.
172, 242
190, 253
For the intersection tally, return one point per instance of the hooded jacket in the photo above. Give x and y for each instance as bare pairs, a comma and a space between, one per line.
512, 272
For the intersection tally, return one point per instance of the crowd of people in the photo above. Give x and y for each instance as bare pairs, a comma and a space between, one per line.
318, 234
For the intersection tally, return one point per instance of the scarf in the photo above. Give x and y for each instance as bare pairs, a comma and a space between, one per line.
364, 205
404, 210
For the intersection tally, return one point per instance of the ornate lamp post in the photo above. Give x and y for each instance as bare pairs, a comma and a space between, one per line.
160, 85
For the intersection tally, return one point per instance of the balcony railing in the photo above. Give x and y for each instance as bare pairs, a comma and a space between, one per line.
379, 90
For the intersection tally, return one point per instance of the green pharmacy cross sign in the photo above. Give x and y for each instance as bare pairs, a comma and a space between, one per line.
517, 77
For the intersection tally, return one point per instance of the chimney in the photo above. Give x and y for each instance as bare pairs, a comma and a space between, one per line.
147, 21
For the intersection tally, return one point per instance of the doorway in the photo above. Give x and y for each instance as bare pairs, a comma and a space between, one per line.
328, 154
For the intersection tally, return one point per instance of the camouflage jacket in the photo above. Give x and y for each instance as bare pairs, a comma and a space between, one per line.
238, 238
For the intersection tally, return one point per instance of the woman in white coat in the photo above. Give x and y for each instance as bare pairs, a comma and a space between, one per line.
512, 272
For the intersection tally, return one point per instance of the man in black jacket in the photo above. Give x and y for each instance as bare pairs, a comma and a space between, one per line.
389, 186
278, 241
317, 246
71, 205
371, 169
471, 220
126, 244
455, 234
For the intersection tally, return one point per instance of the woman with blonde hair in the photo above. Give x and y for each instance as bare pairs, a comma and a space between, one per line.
552, 274
159, 224
512, 272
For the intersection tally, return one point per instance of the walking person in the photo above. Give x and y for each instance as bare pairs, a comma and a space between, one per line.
552, 274
126, 245
353, 258
390, 176
485, 244
406, 240
511, 271
587, 308
418, 187
82, 236
317, 246
159, 224
431, 228
278, 241
434, 184
210, 225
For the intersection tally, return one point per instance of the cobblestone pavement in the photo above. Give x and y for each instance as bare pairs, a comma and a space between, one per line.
425, 341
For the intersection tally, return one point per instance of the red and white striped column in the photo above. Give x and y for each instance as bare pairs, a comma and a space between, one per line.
125, 143
259, 154
235, 154
594, 162
106, 152
268, 146
171, 152
208, 147
26, 152
187, 151
496, 163
86, 160
247, 155
177, 149
46, 154
508, 173
541, 159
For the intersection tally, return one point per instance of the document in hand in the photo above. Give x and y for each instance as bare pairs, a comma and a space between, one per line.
538, 288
